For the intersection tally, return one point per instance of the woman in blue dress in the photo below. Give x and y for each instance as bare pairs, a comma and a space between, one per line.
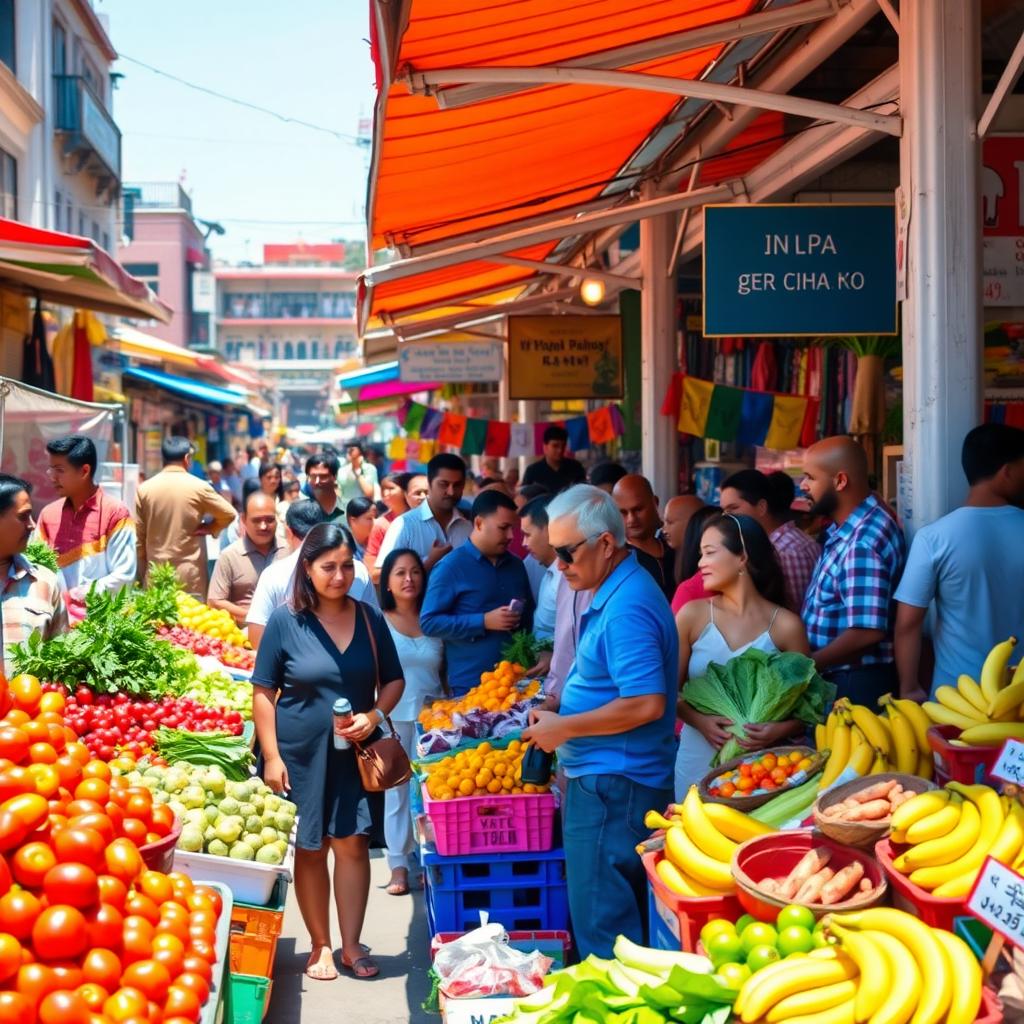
320, 646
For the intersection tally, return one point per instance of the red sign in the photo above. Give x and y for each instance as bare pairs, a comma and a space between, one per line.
1002, 185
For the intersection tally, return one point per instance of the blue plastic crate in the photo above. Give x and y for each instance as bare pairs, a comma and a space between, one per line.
660, 936
492, 870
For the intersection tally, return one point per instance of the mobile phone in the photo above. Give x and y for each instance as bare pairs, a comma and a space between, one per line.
515, 606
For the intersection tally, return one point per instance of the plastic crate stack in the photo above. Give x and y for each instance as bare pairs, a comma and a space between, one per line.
255, 929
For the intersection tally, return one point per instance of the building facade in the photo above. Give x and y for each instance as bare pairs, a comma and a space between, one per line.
293, 320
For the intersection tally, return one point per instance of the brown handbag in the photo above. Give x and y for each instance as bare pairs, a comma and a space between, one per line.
384, 763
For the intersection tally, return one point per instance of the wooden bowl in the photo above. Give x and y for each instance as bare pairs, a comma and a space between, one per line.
862, 834
748, 803
775, 855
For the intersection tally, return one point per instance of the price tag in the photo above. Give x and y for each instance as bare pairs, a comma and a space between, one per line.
998, 900
1010, 765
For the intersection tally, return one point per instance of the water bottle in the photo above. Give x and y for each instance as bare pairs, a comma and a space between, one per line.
536, 766
342, 720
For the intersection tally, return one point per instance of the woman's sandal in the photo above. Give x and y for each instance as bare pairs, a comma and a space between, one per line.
362, 967
320, 969
396, 888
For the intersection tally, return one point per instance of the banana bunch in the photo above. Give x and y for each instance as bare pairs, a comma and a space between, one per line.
949, 833
868, 743
988, 712
700, 840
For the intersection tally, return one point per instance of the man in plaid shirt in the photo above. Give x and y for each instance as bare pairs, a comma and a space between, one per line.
849, 610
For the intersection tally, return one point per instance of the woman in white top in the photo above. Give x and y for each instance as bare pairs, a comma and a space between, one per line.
403, 581
738, 561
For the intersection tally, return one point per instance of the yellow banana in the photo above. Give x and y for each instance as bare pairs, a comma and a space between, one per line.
967, 978
735, 825
653, 820
820, 734
789, 977
869, 724
941, 715
917, 718
834, 718
993, 671
992, 734
946, 849
950, 697
841, 748
936, 825
918, 807
692, 861
702, 832
863, 755
1005, 848
842, 1013
879, 765
925, 764
905, 991
875, 977
972, 693
928, 954
1018, 673
1008, 699
904, 741
814, 1001
681, 883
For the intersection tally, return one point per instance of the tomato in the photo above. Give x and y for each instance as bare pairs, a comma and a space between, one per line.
93, 789
60, 932
106, 926
68, 974
80, 845
169, 950
198, 965
63, 1008
80, 753
78, 806
25, 692
173, 924
126, 1003
16, 1009
123, 860
140, 904
113, 891
99, 822
10, 956
15, 779
31, 808
196, 983
46, 779
93, 994
14, 743
95, 769
31, 863
5, 874
162, 820
202, 948
156, 885
34, 981
183, 1002
69, 770
135, 830
52, 700
136, 944
205, 897
149, 977
18, 912
103, 968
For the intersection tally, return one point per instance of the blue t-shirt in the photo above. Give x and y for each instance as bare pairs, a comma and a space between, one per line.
628, 647
970, 563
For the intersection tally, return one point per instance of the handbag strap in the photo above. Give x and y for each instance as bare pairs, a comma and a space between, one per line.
376, 663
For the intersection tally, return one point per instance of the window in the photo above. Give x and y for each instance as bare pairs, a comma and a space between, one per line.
69, 216
95, 236
106, 241
83, 223
8, 45
289, 352
60, 49
300, 350
8, 186
146, 272
275, 350
58, 210
314, 350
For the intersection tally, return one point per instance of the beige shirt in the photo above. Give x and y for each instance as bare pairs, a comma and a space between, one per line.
238, 571
169, 509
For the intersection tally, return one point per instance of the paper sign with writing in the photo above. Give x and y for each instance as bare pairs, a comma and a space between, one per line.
1010, 766
458, 362
998, 900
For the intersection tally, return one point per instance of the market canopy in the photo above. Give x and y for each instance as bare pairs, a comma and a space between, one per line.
73, 271
209, 393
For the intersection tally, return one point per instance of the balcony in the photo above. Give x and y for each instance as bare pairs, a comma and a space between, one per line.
159, 195
88, 129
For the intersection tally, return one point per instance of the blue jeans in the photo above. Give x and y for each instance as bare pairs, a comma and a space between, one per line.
604, 820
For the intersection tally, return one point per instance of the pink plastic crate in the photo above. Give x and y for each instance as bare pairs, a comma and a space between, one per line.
516, 823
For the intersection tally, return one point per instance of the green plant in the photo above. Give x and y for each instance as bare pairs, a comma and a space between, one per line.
38, 552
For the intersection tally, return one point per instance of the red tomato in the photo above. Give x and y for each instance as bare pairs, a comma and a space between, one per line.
69, 975
93, 994
196, 982
106, 926
103, 968
31, 808
64, 1008
136, 944
99, 823
60, 932
80, 845
203, 948
210, 894
143, 906
126, 1003
124, 861
10, 956
73, 884
5, 875
150, 977
14, 743
77, 807
194, 964
162, 820
169, 950
135, 830
16, 1009
35, 981
182, 1002
18, 912
113, 891
31, 863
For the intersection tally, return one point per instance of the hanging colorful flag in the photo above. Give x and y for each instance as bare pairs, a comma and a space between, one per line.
414, 418
453, 430
723, 422
498, 435
579, 433
599, 424
520, 440
787, 422
475, 437
431, 424
755, 417
397, 448
694, 405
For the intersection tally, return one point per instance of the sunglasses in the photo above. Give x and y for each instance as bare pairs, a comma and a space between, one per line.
567, 552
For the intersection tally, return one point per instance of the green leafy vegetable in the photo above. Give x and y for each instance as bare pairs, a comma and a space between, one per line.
38, 552
524, 649
229, 753
158, 603
759, 687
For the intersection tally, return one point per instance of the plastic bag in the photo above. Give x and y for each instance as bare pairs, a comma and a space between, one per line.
482, 963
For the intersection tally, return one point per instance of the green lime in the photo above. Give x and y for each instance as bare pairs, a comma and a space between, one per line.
733, 975
724, 948
743, 922
761, 956
821, 939
716, 926
758, 934
796, 915
795, 939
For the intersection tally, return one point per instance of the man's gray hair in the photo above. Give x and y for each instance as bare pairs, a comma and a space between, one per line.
592, 509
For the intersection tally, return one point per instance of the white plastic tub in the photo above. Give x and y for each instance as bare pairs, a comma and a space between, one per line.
248, 881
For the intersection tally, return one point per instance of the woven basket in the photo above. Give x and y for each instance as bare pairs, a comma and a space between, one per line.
748, 803
863, 834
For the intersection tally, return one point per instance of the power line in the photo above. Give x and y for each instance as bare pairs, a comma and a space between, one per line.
343, 136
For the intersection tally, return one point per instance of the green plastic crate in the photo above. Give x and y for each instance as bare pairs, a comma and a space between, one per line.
248, 999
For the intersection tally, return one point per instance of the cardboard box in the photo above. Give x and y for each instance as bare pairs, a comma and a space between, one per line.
475, 1010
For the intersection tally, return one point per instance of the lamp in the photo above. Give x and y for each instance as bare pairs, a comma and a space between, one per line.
592, 291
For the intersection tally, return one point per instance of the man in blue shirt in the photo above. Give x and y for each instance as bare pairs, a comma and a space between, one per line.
468, 603
615, 728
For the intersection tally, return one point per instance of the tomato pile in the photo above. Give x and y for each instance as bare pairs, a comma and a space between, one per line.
112, 724
766, 773
202, 644
89, 935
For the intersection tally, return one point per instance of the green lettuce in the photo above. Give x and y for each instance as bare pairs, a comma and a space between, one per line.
759, 687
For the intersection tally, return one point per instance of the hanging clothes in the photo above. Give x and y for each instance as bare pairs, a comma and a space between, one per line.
64, 359
36, 365
81, 379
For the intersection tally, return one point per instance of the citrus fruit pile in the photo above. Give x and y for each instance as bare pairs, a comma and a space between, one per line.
499, 690
478, 772
193, 614
763, 774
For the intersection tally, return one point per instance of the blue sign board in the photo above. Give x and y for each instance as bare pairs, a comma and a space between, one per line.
796, 269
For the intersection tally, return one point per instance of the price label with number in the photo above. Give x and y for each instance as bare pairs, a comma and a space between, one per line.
1010, 765
998, 900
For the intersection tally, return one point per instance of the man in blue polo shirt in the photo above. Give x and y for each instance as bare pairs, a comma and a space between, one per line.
468, 603
615, 728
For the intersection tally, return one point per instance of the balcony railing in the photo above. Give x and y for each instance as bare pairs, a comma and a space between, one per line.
80, 114
160, 195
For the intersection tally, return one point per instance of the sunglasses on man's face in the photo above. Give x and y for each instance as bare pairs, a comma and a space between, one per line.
567, 552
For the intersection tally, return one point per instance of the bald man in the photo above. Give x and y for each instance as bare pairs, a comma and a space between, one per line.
849, 607
638, 504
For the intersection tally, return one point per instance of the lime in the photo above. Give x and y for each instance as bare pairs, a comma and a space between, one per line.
743, 922
795, 939
758, 934
795, 915
733, 975
716, 926
761, 956
724, 948
821, 938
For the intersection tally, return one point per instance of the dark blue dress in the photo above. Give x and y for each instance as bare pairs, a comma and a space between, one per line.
298, 658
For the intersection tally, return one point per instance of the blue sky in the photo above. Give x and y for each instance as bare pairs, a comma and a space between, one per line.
264, 180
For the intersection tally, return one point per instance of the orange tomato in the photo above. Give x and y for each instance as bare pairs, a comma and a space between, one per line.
157, 886
91, 788
746, 770
746, 784
134, 829
10, 956
169, 950
162, 820
25, 692
45, 776
34, 981
31, 808
139, 903
30, 864
16, 1009
93, 994
194, 964
196, 983
18, 911
36, 731
64, 1008
106, 926
98, 822
68, 974
71, 883
123, 860
103, 968
113, 891
206, 895
728, 789
81, 845
60, 932
126, 1003
183, 1002
95, 769
150, 977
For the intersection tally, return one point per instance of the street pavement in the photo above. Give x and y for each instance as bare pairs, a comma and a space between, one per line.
396, 931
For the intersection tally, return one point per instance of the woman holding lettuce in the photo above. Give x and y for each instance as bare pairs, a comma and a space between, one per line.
747, 613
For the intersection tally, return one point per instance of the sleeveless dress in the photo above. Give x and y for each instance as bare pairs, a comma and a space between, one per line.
695, 754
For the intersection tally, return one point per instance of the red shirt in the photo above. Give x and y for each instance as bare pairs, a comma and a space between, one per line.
690, 590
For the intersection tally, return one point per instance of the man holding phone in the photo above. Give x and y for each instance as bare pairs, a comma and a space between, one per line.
478, 595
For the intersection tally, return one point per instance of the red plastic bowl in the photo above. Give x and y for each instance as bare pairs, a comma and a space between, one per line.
775, 855
159, 856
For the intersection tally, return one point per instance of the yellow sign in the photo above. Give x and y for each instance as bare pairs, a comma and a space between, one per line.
561, 357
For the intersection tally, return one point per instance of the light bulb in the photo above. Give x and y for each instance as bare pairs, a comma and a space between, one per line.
592, 291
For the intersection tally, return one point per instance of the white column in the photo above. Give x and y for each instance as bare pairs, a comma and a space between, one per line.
658, 354
940, 55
